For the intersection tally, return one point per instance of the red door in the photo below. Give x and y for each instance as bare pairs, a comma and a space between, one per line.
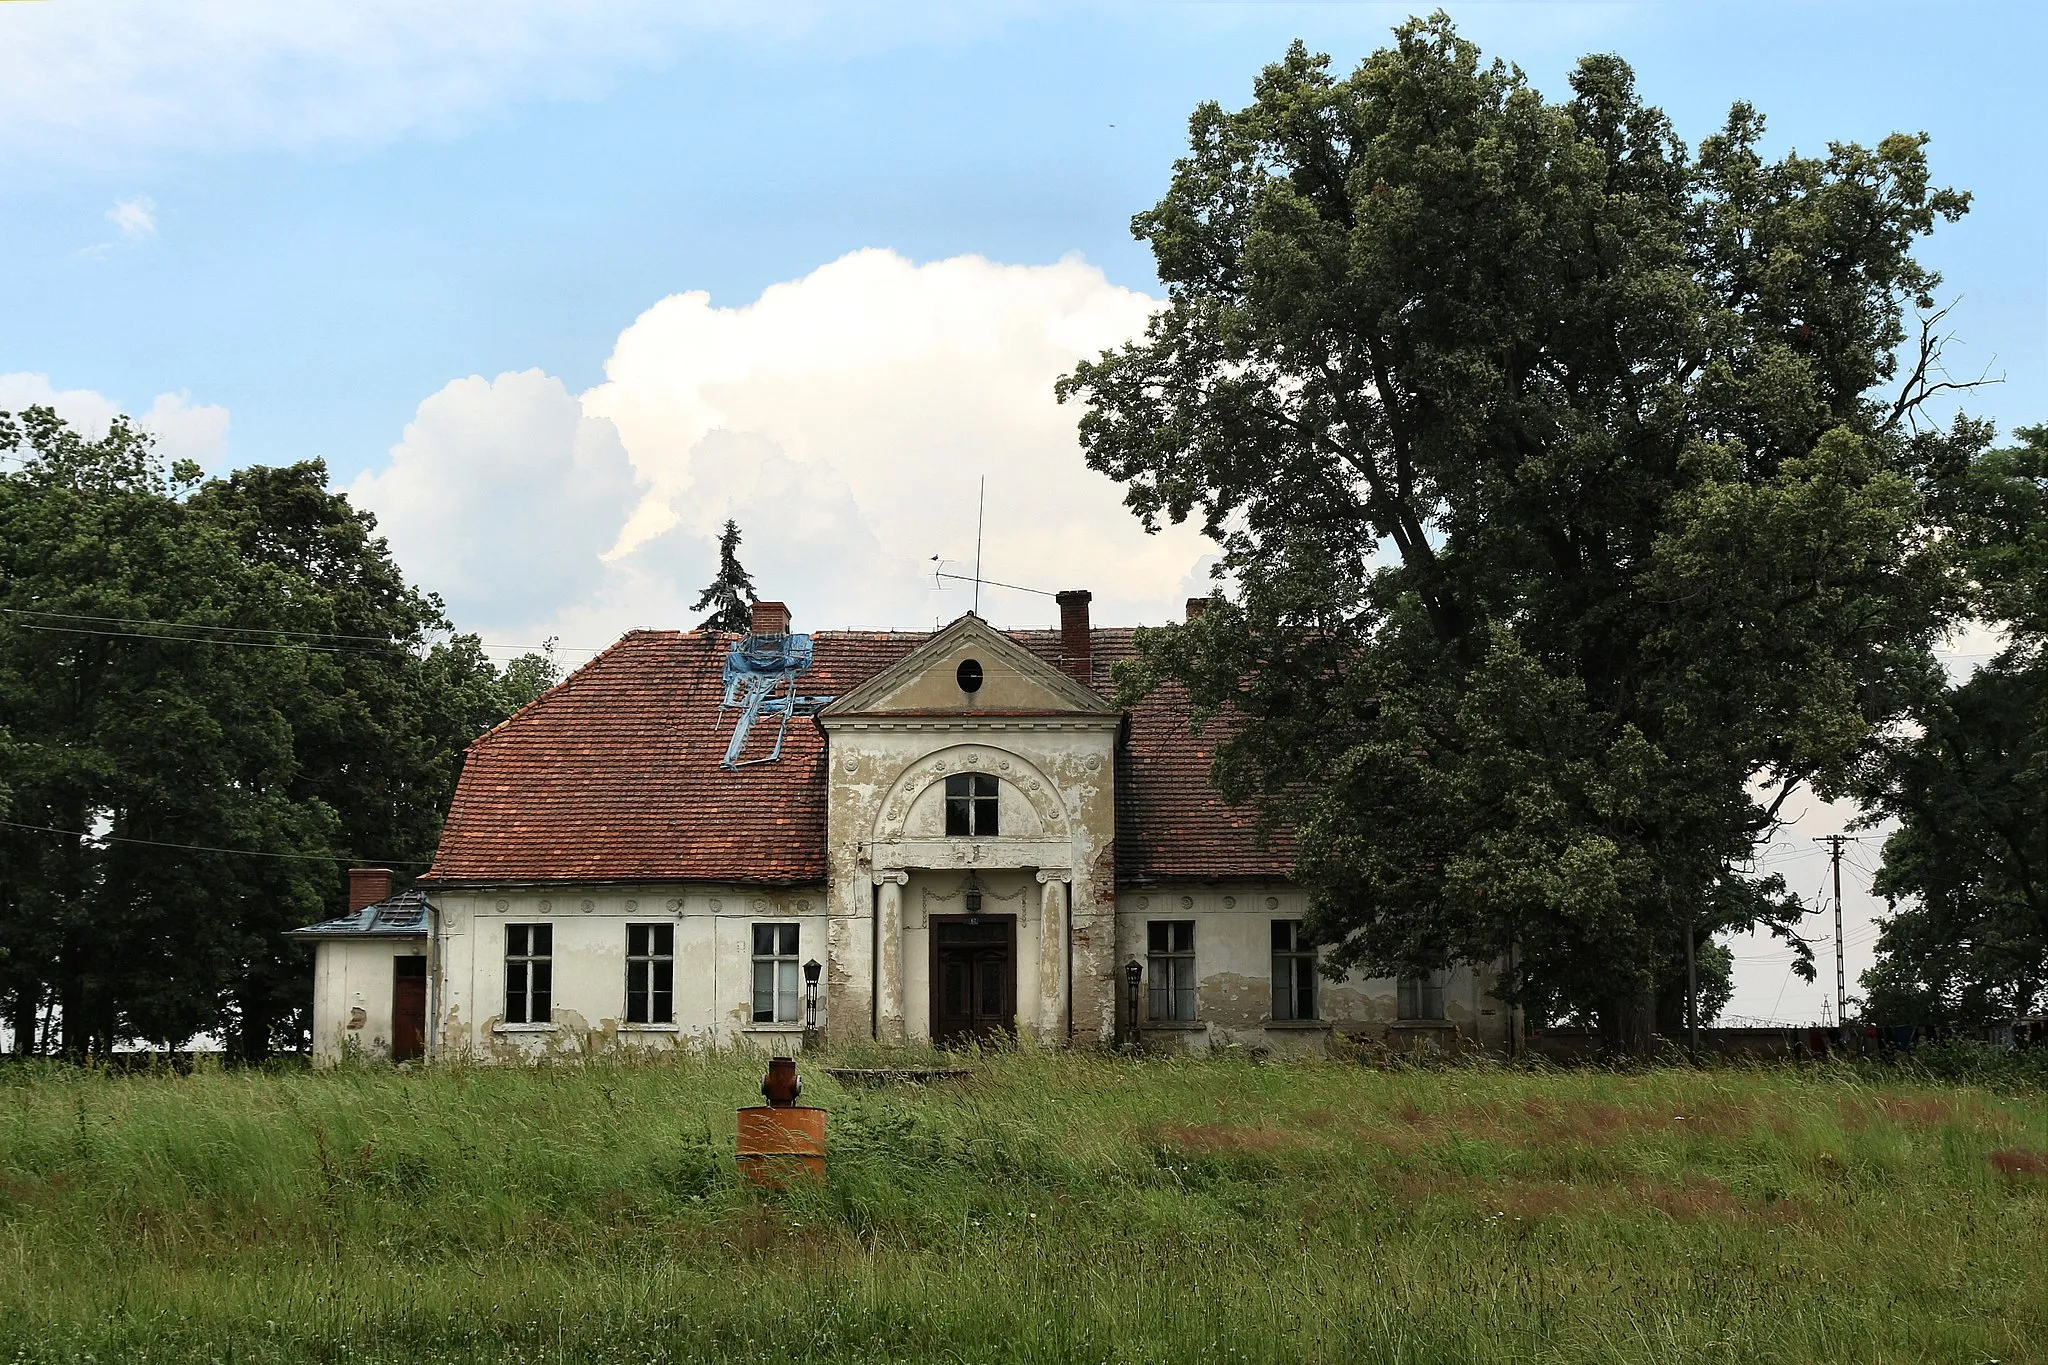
408, 1008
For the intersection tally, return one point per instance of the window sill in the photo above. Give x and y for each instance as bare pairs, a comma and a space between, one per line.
523, 1028
1173, 1025
771, 1028
650, 1028
1299, 1025
1442, 1024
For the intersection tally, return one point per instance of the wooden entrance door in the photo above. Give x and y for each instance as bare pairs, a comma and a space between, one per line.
408, 1008
974, 977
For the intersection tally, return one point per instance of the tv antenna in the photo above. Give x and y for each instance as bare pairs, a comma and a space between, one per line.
980, 509
940, 576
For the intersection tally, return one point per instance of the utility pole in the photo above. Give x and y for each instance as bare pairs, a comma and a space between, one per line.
1834, 843
1692, 983
1692, 997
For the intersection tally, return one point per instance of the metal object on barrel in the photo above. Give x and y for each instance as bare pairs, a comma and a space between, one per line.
781, 1143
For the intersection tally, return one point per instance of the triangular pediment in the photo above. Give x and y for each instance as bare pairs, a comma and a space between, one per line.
927, 680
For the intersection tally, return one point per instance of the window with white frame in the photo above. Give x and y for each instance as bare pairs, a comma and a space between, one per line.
1422, 997
1294, 972
650, 973
529, 973
1170, 969
776, 998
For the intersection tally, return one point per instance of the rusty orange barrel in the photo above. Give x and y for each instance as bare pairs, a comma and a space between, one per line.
781, 1144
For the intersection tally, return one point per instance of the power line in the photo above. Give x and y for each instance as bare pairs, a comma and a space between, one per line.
210, 848
193, 625
244, 630
202, 640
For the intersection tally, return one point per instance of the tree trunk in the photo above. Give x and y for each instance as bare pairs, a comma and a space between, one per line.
1628, 1024
252, 1039
21, 1018
74, 1030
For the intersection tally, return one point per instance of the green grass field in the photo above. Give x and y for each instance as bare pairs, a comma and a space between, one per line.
1055, 1208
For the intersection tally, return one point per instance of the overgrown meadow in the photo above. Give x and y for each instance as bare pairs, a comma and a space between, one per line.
1053, 1208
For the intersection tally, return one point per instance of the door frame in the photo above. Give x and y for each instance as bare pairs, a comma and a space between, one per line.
937, 983
397, 958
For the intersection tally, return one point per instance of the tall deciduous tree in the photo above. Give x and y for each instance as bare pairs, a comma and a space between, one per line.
1570, 490
731, 594
1966, 871
214, 696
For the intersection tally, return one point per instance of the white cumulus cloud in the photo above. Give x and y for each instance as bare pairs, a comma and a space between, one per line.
845, 420
501, 496
184, 430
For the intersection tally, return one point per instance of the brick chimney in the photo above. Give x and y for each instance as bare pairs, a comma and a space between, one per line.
1077, 643
367, 886
771, 618
1196, 606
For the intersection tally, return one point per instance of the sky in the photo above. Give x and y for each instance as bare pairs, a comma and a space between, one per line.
556, 288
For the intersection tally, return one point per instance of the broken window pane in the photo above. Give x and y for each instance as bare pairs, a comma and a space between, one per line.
972, 800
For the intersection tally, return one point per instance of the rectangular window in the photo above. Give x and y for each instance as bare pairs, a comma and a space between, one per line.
650, 973
1170, 968
529, 973
1294, 972
1422, 997
971, 805
775, 974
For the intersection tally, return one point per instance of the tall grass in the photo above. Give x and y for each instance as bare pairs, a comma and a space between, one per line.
1054, 1208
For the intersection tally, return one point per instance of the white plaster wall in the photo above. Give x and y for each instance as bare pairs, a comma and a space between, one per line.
1234, 972
1057, 815
714, 955
351, 975
1015, 816
1010, 893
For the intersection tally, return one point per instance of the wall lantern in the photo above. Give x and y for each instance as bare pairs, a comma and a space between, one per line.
973, 897
811, 973
1134, 973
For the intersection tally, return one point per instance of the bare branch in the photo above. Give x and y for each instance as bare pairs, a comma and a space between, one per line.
1928, 376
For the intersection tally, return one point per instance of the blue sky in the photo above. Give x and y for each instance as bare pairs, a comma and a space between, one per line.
412, 238
320, 282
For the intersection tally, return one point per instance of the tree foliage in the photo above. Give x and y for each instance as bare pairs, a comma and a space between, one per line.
214, 694
731, 594
1966, 870
1570, 489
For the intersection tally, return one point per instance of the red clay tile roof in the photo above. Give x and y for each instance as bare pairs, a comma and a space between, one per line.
614, 776
1170, 823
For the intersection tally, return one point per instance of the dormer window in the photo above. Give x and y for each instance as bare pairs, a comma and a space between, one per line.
971, 806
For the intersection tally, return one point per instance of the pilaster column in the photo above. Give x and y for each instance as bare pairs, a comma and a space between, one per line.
1052, 958
889, 958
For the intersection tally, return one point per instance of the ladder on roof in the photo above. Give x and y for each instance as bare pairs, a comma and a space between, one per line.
756, 668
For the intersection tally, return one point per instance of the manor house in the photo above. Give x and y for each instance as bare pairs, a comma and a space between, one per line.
906, 837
